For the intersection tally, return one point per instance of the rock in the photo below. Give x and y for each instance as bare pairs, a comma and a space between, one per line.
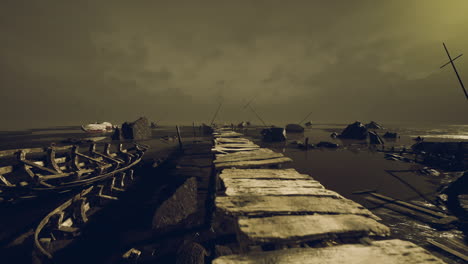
308, 124
191, 253
117, 135
138, 130
325, 144
334, 135
207, 130
178, 207
390, 135
222, 251
294, 128
355, 131
374, 138
373, 125
274, 134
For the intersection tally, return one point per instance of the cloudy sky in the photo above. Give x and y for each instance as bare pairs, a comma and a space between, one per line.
73, 62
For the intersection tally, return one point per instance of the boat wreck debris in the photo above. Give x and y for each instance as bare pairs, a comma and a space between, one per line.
374, 138
64, 224
103, 127
274, 134
373, 125
39, 171
354, 131
326, 144
447, 155
424, 214
294, 128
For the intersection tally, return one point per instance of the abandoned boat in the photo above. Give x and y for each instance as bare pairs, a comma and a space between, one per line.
35, 172
63, 225
294, 128
103, 127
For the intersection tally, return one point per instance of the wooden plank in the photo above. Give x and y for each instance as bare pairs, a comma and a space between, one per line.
409, 205
413, 213
253, 163
393, 251
222, 150
6, 169
32, 164
273, 191
237, 146
452, 246
227, 135
277, 205
11, 152
302, 228
260, 154
285, 174
271, 183
232, 140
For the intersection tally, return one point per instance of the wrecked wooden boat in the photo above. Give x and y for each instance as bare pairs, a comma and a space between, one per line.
35, 172
63, 225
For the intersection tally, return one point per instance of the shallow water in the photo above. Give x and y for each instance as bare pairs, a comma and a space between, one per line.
356, 166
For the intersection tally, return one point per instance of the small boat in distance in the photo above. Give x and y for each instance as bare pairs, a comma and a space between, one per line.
103, 127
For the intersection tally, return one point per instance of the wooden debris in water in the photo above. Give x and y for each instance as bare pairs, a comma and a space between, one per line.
453, 246
393, 251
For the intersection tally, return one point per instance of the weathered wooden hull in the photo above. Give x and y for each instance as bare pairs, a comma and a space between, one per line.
73, 171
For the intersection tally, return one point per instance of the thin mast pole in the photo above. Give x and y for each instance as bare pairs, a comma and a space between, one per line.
456, 72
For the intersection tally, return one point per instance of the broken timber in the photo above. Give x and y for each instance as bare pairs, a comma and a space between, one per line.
281, 208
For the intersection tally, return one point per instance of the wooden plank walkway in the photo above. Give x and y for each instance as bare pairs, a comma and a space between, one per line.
383, 252
284, 208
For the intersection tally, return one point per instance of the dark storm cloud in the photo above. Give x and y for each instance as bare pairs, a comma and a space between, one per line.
70, 62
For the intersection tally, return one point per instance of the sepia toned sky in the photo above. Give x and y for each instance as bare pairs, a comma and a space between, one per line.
74, 62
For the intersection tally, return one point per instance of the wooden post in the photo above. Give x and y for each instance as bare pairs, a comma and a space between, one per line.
194, 132
178, 136
306, 143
